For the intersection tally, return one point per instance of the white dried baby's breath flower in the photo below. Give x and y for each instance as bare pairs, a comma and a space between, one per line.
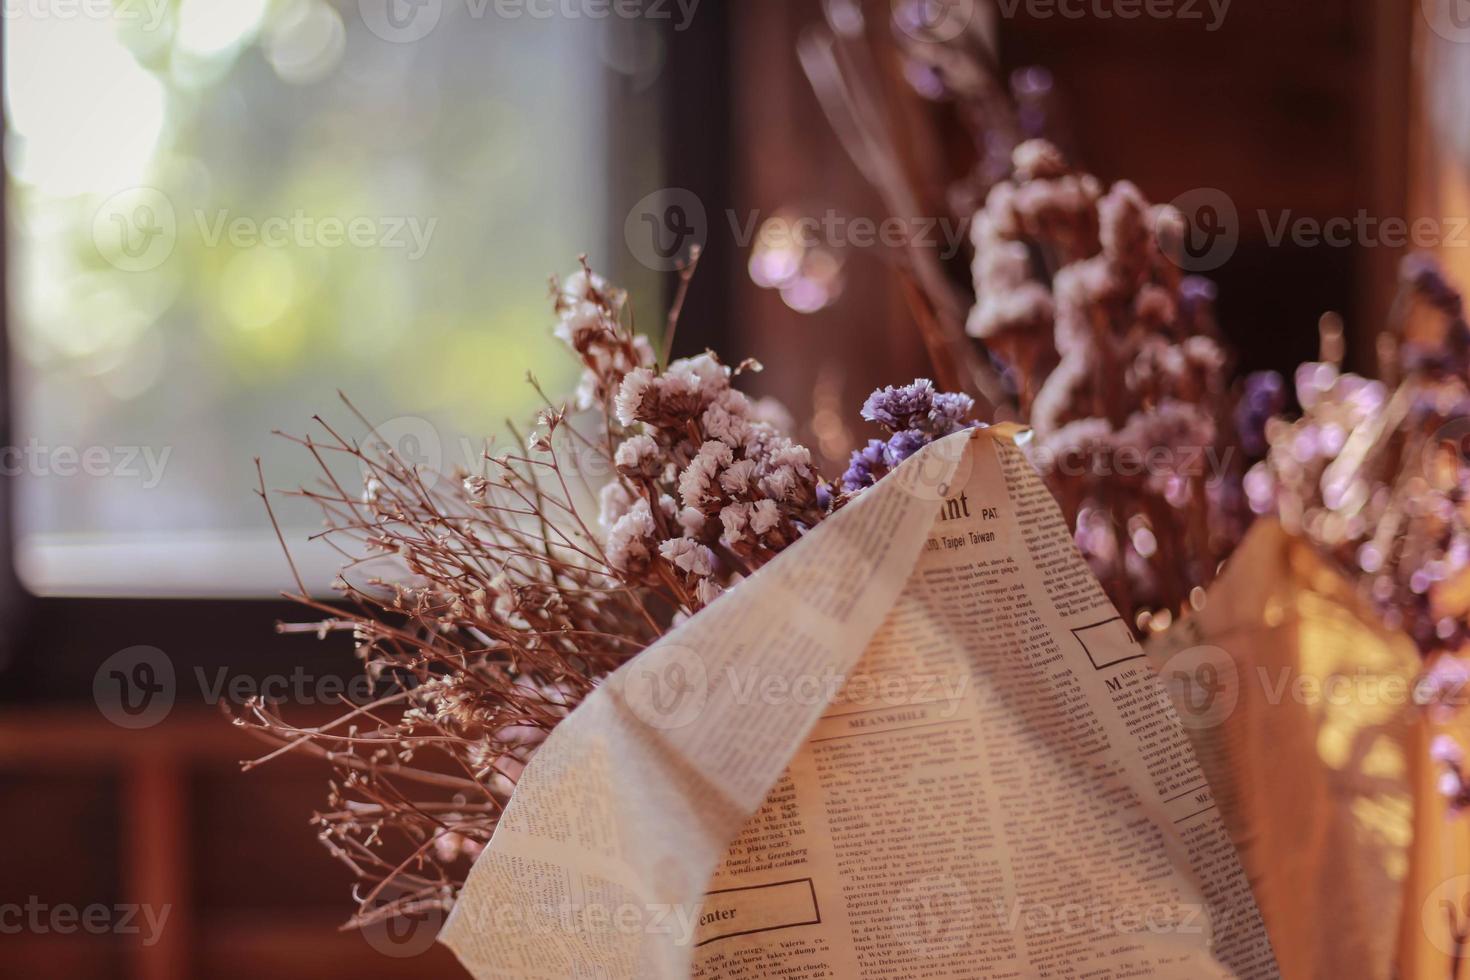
638, 456
708, 375
580, 324
765, 515
1023, 307
629, 403
707, 590
790, 454
1038, 158
724, 425
699, 476
737, 479
693, 522
628, 541
689, 555
735, 518
779, 483
582, 286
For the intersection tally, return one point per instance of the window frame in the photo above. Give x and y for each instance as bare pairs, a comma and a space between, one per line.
51, 647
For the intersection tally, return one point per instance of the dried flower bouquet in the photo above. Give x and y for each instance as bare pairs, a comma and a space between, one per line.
485, 606
1081, 322
1116, 363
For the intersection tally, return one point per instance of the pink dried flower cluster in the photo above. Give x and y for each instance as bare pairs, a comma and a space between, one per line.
1376, 474
1106, 349
589, 321
484, 606
707, 488
1113, 358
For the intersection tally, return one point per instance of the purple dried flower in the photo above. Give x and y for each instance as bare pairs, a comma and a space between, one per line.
1424, 281
1427, 279
914, 415
1263, 398
1197, 292
900, 408
1445, 749
918, 407
860, 468
902, 445
951, 413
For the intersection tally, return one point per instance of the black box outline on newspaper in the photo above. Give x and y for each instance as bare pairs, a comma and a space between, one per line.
1077, 631
816, 908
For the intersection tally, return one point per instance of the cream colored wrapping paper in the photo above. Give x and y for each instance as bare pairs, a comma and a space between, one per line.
1299, 705
920, 743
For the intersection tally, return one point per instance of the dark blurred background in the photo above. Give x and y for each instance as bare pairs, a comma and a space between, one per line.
159, 320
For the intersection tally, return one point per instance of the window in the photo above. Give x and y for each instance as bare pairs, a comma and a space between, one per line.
222, 211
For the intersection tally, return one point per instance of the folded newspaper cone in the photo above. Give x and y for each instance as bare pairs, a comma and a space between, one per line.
1299, 704
920, 743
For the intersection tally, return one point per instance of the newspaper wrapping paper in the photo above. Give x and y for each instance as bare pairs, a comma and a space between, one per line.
920, 743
